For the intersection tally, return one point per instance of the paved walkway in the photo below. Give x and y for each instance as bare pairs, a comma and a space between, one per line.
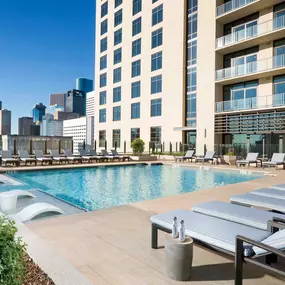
112, 246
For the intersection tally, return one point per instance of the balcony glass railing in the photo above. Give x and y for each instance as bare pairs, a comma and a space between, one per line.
232, 5
251, 67
276, 100
252, 32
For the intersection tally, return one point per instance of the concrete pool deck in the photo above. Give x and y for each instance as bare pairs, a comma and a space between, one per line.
112, 246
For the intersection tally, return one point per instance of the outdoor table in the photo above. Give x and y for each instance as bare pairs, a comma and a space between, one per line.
179, 257
8, 202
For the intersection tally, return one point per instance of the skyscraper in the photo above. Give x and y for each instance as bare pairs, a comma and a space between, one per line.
84, 84
90, 104
39, 111
76, 102
0, 105
5, 122
24, 126
57, 99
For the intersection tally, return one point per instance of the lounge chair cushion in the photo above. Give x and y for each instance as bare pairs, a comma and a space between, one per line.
277, 240
279, 186
250, 158
270, 192
239, 214
210, 230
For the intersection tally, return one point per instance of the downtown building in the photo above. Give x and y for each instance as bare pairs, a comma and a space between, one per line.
202, 73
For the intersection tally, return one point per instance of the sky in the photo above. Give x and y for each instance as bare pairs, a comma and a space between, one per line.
44, 46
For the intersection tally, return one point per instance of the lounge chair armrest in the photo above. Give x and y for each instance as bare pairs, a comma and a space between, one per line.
275, 225
278, 220
240, 240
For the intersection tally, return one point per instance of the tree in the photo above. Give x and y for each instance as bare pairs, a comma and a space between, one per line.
138, 146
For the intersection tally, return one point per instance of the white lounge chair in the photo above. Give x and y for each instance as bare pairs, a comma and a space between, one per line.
70, 157
34, 210
41, 158
24, 156
56, 156
250, 158
7, 158
209, 156
276, 160
188, 156
270, 192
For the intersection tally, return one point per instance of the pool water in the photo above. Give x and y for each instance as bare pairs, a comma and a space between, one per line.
104, 187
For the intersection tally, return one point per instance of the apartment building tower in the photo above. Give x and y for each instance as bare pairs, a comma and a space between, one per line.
198, 72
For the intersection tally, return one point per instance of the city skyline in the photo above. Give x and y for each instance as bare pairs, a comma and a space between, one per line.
37, 61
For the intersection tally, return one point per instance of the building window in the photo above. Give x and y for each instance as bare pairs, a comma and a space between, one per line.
117, 113
192, 52
154, 1
104, 9
192, 6
137, 6
117, 138
118, 17
117, 55
191, 79
156, 61
156, 84
117, 94
136, 89
104, 27
102, 116
118, 3
136, 68
192, 26
136, 47
137, 26
135, 111
155, 108
102, 98
191, 110
103, 62
102, 138
103, 80
155, 135
103, 45
135, 134
156, 38
157, 15
118, 37
117, 75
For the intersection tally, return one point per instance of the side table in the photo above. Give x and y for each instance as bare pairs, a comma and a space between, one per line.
179, 257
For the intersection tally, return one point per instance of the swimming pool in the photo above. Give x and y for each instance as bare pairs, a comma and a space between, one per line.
104, 187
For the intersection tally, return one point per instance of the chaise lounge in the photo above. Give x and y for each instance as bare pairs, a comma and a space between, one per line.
188, 156
25, 157
122, 157
41, 158
7, 158
250, 158
70, 157
276, 160
87, 157
209, 156
56, 156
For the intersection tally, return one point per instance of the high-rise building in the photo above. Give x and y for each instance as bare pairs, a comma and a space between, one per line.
90, 104
0, 105
84, 84
39, 111
24, 126
5, 122
35, 129
61, 116
51, 127
76, 102
198, 72
57, 99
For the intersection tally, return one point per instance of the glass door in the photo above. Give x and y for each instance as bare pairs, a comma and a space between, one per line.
251, 63
238, 65
279, 59
279, 19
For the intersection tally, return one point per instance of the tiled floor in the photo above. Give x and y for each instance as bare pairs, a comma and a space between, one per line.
112, 246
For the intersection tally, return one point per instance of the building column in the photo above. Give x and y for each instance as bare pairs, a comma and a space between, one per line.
247, 143
281, 143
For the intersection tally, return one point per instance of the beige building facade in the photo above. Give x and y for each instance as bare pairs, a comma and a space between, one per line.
205, 74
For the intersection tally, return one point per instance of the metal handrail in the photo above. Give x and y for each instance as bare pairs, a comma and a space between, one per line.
232, 5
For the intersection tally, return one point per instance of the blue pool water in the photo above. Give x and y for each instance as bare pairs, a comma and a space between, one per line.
104, 187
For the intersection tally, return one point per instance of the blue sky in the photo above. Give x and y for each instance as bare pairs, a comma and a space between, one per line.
44, 46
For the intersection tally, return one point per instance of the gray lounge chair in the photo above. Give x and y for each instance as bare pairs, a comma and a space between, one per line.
249, 199
276, 160
41, 158
244, 242
279, 186
70, 157
7, 158
87, 156
188, 156
235, 213
250, 158
209, 156
107, 155
56, 156
122, 157
99, 157
270, 192
24, 156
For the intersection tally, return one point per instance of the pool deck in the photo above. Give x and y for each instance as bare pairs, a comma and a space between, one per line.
112, 246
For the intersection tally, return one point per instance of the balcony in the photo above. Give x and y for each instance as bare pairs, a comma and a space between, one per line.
252, 70
254, 35
262, 102
237, 9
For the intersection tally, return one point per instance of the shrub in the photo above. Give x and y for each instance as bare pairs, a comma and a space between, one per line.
230, 153
12, 254
138, 146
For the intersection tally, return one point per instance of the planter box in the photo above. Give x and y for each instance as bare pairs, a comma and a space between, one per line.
166, 157
144, 158
231, 160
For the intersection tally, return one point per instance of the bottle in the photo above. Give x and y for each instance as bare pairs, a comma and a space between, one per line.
174, 228
182, 231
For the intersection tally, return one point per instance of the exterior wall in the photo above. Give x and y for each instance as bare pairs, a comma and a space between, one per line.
24, 126
90, 104
57, 99
173, 72
5, 122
